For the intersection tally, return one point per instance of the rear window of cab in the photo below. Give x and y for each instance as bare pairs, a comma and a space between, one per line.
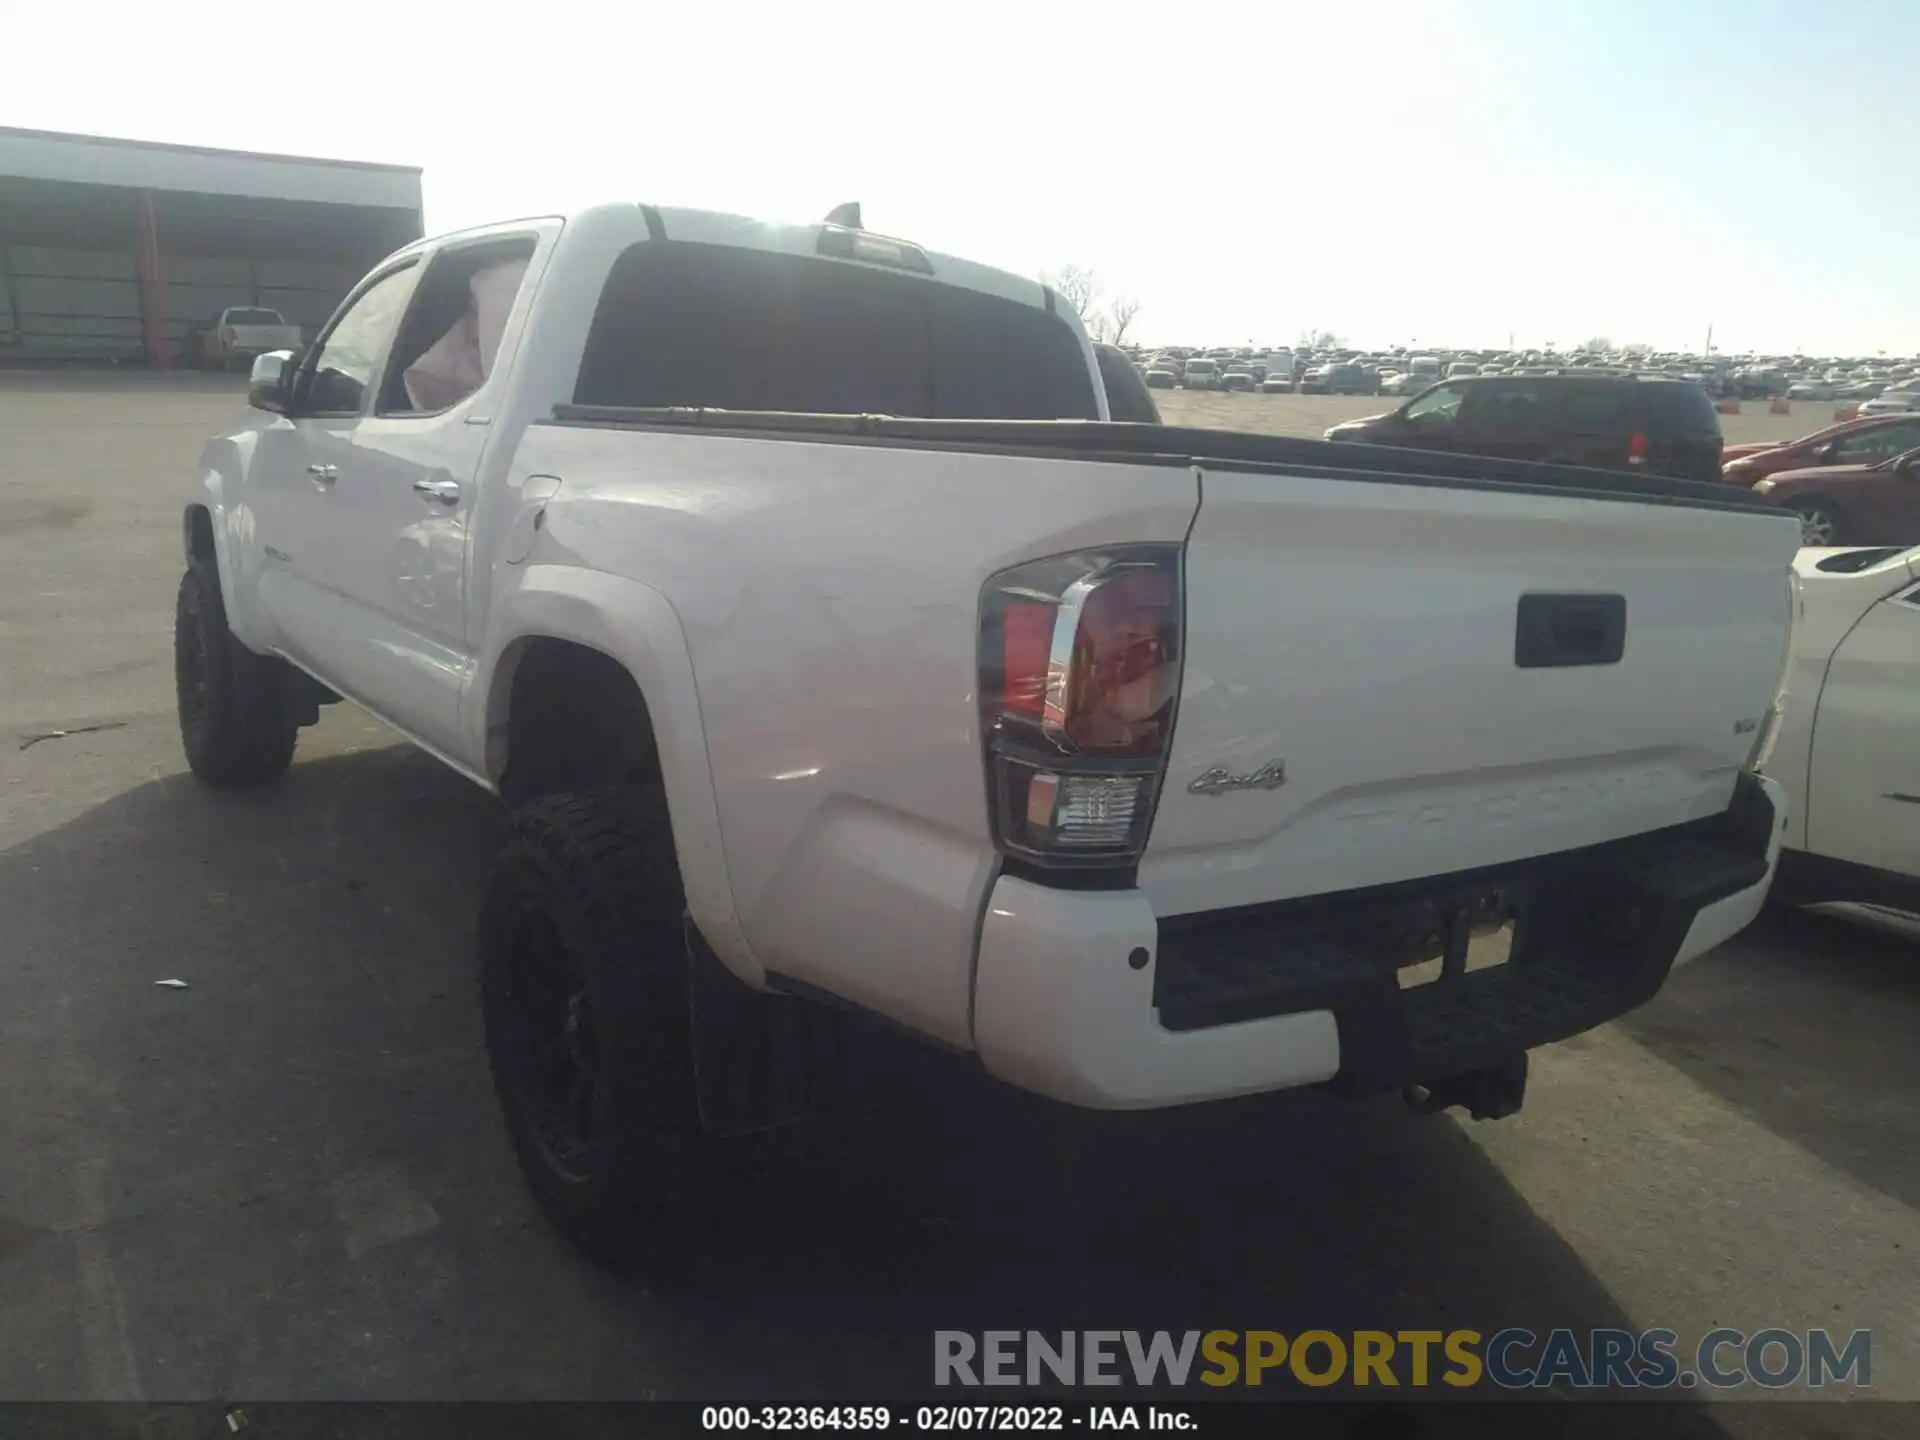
717, 326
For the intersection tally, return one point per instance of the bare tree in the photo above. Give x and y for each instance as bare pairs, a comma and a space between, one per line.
1598, 345
1076, 285
1319, 340
1080, 288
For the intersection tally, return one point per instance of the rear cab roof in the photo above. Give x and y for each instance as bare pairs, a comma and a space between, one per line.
604, 230
716, 227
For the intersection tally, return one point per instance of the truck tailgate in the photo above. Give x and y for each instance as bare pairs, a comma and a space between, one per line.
1354, 658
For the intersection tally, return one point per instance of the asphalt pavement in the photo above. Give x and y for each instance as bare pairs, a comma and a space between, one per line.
286, 1180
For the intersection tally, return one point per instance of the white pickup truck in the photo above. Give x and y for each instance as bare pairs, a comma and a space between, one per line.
243, 332
836, 655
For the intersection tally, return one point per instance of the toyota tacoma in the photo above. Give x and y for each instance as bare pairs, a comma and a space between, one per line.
834, 653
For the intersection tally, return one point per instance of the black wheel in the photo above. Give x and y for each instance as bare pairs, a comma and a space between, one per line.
1820, 522
583, 977
237, 719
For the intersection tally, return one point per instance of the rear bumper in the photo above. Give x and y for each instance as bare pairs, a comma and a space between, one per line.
1719, 921
1089, 998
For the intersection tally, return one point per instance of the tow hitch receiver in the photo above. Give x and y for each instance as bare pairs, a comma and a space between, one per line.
1490, 1094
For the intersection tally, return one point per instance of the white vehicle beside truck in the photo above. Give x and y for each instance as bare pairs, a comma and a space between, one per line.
1849, 747
836, 655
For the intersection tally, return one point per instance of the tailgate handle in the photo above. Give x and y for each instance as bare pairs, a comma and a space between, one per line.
1556, 630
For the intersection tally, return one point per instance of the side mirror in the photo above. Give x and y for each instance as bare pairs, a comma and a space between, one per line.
1824, 454
267, 385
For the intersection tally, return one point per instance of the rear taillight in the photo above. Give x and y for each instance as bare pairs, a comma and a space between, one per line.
1079, 677
1636, 447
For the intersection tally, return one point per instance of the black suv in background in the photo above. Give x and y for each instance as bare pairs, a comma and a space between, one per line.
1612, 422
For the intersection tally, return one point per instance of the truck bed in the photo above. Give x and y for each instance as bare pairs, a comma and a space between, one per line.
1355, 617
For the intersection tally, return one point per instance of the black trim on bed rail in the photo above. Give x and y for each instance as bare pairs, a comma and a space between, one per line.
1176, 445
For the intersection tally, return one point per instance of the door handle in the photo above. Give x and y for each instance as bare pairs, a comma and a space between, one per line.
447, 492
323, 474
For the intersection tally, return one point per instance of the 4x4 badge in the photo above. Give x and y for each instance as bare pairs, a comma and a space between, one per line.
1218, 781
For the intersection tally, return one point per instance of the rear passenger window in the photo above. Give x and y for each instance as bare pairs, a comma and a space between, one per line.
1506, 407
719, 327
1678, 410
1591, 405
1876, 442
447, 343
1438, 409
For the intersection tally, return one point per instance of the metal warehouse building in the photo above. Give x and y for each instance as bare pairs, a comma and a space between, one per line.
110, 249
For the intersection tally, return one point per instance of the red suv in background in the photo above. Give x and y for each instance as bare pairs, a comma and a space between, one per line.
1853, 442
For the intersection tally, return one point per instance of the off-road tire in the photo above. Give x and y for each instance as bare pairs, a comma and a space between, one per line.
597, 870
237, 720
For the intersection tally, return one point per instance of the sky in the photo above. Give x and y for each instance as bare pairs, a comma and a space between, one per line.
1448, 172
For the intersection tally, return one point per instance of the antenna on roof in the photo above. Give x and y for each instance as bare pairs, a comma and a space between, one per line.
847, 215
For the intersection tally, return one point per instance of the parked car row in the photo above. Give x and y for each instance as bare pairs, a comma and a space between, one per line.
1166, 371
1306, 372
1401, 371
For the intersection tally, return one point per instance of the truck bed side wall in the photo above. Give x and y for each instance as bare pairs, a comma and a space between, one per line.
829, 598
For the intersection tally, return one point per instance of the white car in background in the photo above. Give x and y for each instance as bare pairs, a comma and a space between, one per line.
1848, 745
1892, 402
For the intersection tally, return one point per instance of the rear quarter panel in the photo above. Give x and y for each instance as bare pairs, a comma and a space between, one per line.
829, 598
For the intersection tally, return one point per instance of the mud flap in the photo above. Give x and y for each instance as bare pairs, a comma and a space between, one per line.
759, 1059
